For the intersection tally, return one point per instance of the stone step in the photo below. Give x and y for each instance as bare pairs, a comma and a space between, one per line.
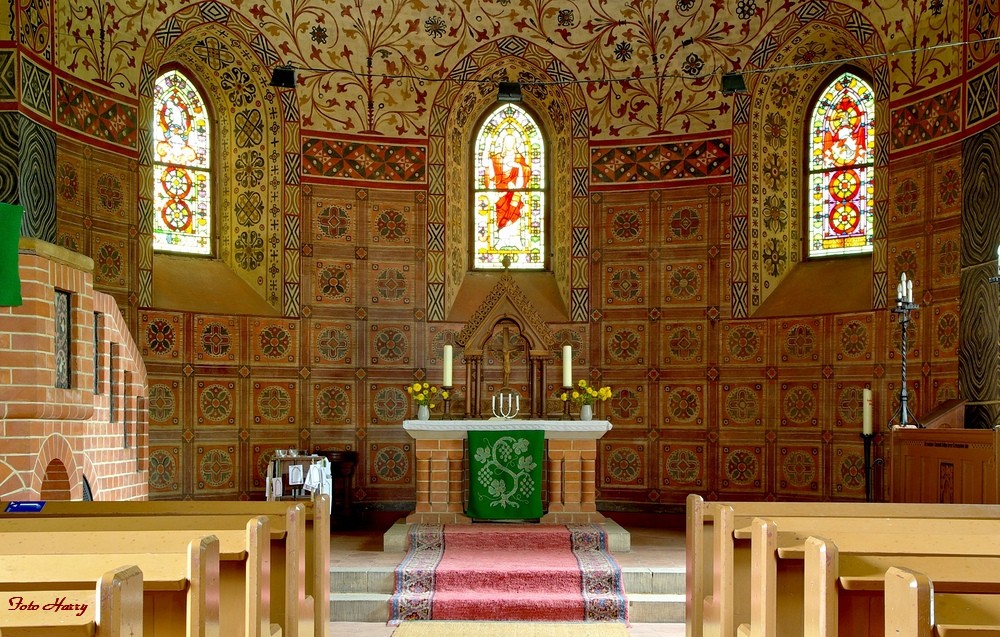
652, 608
381, 579
395, 539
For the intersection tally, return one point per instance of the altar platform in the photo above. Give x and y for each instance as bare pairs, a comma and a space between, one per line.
619, 539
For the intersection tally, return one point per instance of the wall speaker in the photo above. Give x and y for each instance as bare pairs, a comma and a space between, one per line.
733, 83
508, 92
283, 77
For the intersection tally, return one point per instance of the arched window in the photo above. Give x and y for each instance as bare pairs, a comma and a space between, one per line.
841, 154
509, 192
181, 167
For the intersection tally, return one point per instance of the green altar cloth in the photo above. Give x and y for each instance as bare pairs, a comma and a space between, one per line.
10, 234
505, 474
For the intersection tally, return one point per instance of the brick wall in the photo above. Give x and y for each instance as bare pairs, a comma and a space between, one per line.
51, 439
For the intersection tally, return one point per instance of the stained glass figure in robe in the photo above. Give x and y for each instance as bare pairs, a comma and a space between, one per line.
509, 191
841, 188
181, 168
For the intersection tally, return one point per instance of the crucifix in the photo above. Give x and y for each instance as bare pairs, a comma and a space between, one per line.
506, 350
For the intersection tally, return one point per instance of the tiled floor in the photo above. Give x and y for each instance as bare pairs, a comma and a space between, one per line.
657, 541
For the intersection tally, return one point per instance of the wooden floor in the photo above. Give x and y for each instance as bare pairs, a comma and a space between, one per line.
657, 541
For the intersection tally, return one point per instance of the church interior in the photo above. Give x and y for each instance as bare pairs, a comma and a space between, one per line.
737, 251
674, 252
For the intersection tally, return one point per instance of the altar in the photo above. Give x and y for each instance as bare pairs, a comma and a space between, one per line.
569, 471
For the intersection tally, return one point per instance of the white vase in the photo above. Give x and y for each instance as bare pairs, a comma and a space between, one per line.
423, 412
586, 412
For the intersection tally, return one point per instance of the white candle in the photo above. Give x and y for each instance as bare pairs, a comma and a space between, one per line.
866, 413
909, 291
447, 355
567, 365
899, 293
998, 260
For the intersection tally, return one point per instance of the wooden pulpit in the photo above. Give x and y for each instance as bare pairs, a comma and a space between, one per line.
944, 463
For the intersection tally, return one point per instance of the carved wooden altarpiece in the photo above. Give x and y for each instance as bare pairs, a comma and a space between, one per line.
508, 326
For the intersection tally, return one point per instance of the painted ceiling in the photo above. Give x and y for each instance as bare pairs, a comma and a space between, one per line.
647, 67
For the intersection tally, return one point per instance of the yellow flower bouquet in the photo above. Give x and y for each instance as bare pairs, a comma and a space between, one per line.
584, 394
425, 394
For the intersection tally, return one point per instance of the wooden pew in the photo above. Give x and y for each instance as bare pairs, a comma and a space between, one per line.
818, 586
180, 589
914, 609
244, 569
307, 550
113, 608
714, 569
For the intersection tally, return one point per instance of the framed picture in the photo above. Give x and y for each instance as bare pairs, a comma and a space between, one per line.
295, 474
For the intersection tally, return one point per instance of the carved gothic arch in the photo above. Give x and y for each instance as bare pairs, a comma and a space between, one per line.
506, 311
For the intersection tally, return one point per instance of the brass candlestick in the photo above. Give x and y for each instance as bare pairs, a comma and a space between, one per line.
446, 401
566, 390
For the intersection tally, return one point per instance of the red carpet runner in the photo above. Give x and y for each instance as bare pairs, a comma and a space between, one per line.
510, 572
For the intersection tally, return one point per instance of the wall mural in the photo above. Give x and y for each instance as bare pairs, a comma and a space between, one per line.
377, 70
676, 214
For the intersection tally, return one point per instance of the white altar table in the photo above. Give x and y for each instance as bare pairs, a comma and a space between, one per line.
570, 471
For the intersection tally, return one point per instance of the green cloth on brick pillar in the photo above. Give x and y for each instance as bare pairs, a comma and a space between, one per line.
10, 235
505, 474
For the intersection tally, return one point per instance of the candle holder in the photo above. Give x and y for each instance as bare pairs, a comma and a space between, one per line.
903, 416
508, 405
867, 439
446, 402
568, 391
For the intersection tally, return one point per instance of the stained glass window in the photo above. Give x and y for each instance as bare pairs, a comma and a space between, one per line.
509, 191
841, 150
181, 171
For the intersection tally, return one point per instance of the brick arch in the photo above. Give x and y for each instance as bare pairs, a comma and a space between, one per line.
56, 447
12, 485
752, 280
55, 482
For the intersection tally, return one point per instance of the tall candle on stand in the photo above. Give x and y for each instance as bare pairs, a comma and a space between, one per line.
567, 365
866, 413
446, 377
998, 260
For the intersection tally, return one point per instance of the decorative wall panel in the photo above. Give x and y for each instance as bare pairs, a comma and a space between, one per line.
979, 374
9, 143
36, 166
